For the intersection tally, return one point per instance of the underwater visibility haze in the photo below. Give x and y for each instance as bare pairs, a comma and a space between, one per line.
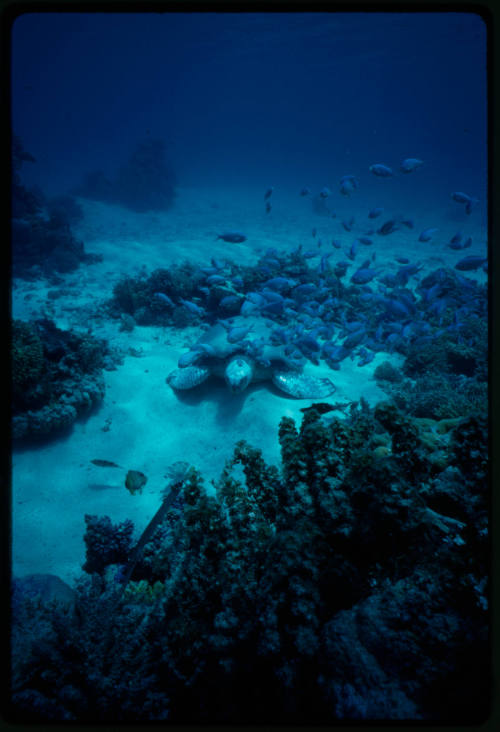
249, 348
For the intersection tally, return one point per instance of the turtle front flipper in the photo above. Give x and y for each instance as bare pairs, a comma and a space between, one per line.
302, 386
188, 377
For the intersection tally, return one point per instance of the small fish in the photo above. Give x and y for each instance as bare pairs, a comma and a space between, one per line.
313, 232
268, 207
305, 192
104, 463
365, 240
164, 298
426, 234
353, 250
336, 243
460, 197
470, 263
375, 212
408, 223
402, 260
387, 228
470, 205
383, 171
268, 193
456, 242
215, 279
192, 307
238, 334
348, 224
363, 275
233, 237
348, 184
189, 358
324, 192
410, 164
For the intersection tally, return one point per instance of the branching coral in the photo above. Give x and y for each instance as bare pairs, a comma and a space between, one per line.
273, 591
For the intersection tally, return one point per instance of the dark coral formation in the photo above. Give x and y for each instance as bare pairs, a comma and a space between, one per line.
56, 377
144, 183
349, 584
41, 235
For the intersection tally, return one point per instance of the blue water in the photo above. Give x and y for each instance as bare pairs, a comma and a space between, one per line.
290, 99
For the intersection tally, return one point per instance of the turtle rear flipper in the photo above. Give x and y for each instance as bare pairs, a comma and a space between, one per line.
302, 386
188, 377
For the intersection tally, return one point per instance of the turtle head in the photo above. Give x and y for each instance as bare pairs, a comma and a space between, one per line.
238, 373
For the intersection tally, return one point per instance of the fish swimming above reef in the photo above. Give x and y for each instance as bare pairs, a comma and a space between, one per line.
408, 165
374, 212
268, 193
470, 263
383, 171
233, 237
305, 192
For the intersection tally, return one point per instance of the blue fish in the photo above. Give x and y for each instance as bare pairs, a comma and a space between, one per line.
354, 339
383, 171
410, 164
470, 263
279, 283
304, 290
366, 356
365, 240
336, 243
408, 223
352, 251
230, 302
460, 197
164, 298
235, 335
215, 279
192, 307
375, 212
305, 192
348, 184
388, 228
363, 275
426, 234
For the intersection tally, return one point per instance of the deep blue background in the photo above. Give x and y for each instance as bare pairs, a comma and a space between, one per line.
290, 99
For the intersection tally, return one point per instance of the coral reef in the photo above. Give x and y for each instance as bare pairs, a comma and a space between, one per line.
349, 583
42, 245
56, 377
144, 183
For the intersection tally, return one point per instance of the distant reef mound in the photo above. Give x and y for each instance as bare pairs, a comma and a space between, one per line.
42, 240
145, 182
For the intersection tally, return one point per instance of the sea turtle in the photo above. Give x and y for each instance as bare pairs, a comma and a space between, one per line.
221, 352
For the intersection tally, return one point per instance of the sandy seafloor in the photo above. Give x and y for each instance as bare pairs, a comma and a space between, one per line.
141, 423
